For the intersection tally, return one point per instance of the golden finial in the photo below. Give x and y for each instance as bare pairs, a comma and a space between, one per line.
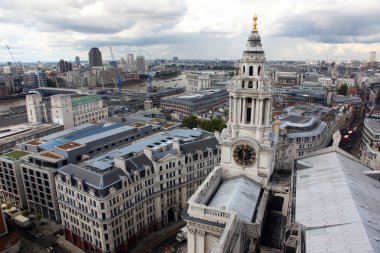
254, 28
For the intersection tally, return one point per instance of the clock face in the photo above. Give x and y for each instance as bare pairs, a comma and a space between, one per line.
244, 155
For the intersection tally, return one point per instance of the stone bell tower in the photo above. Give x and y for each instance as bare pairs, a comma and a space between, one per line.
246, 142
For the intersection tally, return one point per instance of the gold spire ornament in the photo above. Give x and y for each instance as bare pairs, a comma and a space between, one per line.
254, 27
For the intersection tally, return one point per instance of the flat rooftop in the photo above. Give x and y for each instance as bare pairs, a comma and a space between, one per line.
50, 155
81, 135
106, 161
15, 154
69, 145
296, 119
373, 123
15, 132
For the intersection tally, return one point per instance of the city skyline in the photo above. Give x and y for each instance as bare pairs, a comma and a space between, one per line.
291, 29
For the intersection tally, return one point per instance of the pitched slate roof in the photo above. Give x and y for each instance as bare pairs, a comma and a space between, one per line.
96, 180
137, 164
192, 147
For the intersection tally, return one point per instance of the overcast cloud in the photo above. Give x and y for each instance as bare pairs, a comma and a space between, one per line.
192, 29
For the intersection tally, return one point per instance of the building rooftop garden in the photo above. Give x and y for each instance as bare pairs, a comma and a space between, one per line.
15, 154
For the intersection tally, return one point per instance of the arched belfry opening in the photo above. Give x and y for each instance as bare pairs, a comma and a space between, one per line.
250, 70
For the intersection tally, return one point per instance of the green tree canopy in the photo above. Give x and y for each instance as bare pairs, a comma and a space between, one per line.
215, 124
342, 90
190, 121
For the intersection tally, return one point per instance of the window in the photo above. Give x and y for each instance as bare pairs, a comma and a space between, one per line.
251, 71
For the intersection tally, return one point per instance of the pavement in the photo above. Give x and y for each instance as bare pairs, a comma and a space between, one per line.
68, 246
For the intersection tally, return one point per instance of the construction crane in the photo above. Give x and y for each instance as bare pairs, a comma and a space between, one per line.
119, 80
14, 61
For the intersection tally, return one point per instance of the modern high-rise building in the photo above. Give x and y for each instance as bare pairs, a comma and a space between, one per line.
95, 57
372, 57
65, 66
130, 59
227, 211
77, 60
140, 64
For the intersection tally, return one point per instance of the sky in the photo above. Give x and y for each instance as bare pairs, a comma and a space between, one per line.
50, 30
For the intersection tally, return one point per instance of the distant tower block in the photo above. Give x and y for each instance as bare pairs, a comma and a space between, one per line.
148, 104
372, 57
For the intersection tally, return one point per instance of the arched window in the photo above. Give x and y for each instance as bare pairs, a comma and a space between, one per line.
243, 70
250, 84
242, 84
251, 71
259, 71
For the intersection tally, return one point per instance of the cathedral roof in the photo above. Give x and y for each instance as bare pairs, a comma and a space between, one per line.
240, 195
337, 203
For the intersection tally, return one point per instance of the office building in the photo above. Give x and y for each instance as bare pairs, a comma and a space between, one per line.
35, 79
371, 130
113, 201
287, 79
226, 212
38, 108
12, 187
305, 129
130, 59
73, 111
372, 57
205, 79
11, 136
140, 64
354, 104
65, 66
77, 60
95, 57
193, 102
74, 145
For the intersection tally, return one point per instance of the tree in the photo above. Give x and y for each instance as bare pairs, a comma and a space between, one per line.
25, 212
38, 217
342, 90
190, 122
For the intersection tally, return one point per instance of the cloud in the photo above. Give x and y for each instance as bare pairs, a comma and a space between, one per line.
290, 29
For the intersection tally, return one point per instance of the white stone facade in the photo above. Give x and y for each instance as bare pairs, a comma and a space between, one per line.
143, 203
204, 79
231, 225
72, 112
38, 109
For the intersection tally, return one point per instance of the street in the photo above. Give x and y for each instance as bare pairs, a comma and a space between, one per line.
35, 241
169, 245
